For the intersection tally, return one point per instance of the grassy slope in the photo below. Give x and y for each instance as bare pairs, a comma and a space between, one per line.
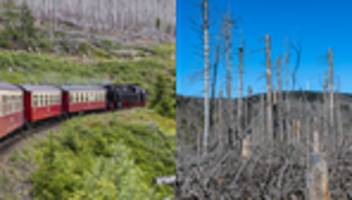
25, 67
116, 155
101, 156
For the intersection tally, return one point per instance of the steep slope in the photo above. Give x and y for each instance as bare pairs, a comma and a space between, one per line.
103, 156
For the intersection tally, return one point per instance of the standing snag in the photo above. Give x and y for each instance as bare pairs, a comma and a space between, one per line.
206, 74
269, 106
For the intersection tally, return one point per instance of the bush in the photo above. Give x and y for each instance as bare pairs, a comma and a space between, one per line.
164, 99
19, 30
89, 160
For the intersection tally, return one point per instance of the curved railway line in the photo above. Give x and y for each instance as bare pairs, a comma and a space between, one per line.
8, 143
28, 109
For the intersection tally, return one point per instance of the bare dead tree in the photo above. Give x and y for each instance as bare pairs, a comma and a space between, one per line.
214, 84
227, 27
325, 105
205, 9
240, 89
106, 15
279, 96
331, 88
268, 87
318, 178
227, 35
287, 84
220, 121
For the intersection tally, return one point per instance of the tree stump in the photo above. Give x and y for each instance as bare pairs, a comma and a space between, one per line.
318, 183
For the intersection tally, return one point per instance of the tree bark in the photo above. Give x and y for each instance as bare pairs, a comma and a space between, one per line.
206, 74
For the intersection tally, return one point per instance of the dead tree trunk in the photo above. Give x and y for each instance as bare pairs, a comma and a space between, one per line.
206, 74
296, 131
339, 121
268, 88
213, 86
227, 35
219, 123
331, 97
246, 147
318, 178
287, 101
279, 98
325, 106
240, 89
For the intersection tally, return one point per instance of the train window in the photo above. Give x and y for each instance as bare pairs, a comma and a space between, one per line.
38, 100
41, 100
52, 99
44, 100
12, 103
47, 99
4, 105
35, 101
18, 103
71, 98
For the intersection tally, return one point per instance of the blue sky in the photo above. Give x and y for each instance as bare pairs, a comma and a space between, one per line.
318, 24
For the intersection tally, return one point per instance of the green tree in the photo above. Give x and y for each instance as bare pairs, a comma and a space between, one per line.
10, 18
19, 29
27, 30
164, 100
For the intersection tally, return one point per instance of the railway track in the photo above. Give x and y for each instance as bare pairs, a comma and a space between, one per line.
7, 144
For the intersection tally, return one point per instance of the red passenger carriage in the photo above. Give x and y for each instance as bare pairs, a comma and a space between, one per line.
11, 108
83, 98
41, 102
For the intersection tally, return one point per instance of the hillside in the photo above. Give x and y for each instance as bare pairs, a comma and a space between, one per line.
271, 168
102, 156
126, 20
117, 155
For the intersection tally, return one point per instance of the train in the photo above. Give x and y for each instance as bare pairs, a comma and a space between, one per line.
23, 105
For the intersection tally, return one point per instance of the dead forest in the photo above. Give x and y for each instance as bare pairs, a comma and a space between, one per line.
143, 17
281, 144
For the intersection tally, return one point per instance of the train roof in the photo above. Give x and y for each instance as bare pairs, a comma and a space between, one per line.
41, 88
81, 87
122, 86
7, 86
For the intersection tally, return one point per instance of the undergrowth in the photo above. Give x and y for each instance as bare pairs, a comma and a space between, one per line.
106, 157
